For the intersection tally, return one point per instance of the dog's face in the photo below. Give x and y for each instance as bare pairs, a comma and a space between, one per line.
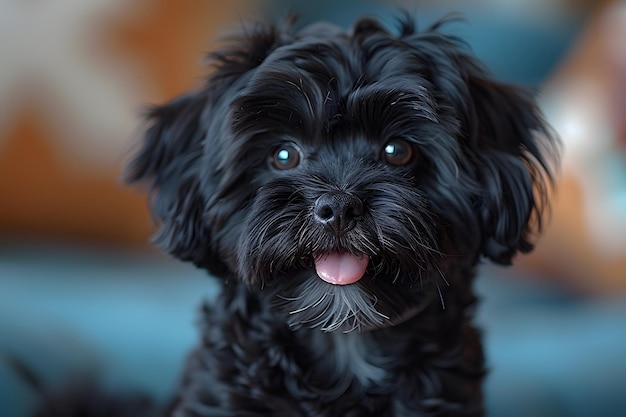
350, 175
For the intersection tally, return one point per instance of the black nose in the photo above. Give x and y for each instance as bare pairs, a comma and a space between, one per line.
338, 211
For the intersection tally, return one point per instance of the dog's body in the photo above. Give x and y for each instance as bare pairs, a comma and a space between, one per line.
251, 364
344, 186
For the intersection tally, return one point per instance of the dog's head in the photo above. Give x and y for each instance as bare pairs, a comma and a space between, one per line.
347, 173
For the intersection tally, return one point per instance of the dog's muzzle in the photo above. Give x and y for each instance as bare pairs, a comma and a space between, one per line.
338, 212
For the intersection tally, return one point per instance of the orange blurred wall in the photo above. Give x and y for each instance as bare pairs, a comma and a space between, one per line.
50, 184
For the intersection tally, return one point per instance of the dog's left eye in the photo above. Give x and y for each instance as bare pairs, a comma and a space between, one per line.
286, 157
398, 152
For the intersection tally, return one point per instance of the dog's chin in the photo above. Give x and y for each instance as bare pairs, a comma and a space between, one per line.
368, 304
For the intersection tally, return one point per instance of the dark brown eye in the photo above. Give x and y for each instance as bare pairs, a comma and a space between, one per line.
286, 157
398, 152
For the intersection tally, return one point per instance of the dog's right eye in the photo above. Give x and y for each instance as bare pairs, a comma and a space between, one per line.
398, 152
286, 157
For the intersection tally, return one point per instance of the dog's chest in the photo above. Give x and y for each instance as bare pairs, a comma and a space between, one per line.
355, 358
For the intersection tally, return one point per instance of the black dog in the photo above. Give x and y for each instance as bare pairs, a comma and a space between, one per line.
344, 185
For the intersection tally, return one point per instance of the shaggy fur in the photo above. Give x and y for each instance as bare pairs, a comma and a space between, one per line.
393, 147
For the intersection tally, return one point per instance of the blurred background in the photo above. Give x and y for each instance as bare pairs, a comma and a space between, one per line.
82, 292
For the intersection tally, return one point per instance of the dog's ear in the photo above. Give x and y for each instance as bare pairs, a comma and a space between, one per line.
509, 151
168, 163
513, 148
181, 158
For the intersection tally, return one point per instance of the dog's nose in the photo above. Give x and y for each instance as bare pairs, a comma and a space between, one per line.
338, 211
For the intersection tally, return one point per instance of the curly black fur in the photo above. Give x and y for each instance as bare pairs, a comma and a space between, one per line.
279, 341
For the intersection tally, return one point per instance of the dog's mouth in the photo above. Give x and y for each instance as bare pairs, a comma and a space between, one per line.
341, 268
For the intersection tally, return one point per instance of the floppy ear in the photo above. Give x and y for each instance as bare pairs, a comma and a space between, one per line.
513, 149
181, 155
167, 162
508, 151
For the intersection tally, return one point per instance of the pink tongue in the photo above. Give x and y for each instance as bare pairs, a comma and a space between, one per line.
341, 268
